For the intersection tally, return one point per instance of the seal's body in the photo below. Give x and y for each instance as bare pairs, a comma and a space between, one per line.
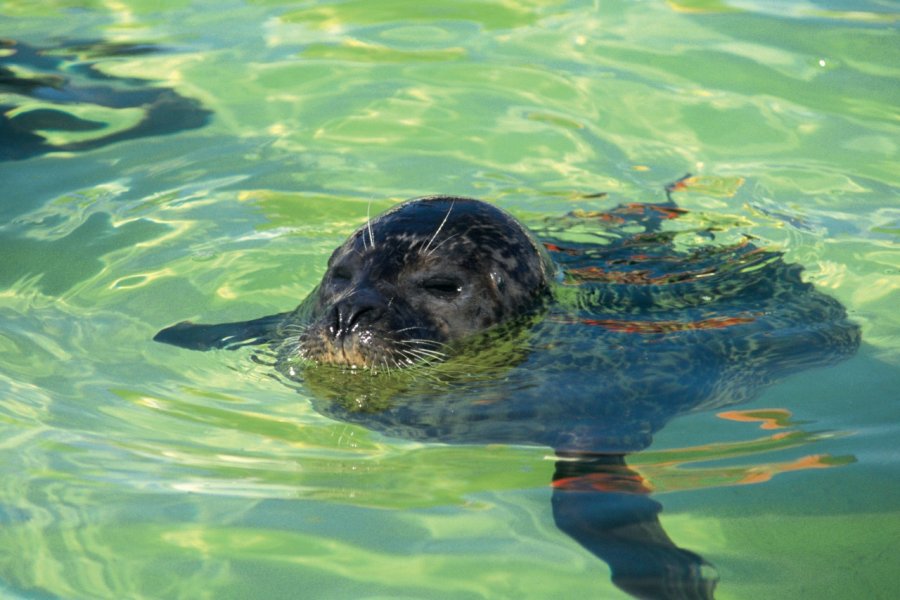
445, 320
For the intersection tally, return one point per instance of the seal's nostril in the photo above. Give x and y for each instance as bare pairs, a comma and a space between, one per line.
350, 315
356, 310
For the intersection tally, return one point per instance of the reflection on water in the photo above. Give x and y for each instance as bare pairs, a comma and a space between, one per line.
667, 470
54, 86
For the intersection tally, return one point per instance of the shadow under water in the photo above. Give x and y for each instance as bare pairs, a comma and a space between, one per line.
51, 79
639, 330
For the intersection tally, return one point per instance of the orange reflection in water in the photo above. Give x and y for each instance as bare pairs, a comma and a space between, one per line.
670, 470
774, 418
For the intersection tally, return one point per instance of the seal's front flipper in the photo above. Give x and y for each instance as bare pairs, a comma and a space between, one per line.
224, 335
603, 505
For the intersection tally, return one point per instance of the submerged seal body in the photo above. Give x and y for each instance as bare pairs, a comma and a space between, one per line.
406, 285
471, 334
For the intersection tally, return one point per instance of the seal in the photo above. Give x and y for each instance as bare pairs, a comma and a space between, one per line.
407, 285
405, 288
588, 341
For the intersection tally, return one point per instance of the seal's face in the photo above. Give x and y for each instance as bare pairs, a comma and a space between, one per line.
430, 272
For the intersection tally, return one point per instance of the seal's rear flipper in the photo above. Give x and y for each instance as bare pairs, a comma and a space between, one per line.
224, 335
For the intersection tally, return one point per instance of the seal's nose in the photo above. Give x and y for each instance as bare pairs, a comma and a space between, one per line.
359, 309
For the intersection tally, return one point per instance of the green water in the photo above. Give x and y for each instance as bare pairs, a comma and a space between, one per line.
129, 469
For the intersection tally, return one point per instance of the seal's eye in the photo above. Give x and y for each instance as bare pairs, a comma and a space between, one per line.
341, 274
445, 288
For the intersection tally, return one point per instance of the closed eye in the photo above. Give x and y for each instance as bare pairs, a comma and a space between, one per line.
341, 274
445, 288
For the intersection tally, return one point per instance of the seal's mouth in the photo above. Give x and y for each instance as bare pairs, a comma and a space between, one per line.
362, 350
342, 352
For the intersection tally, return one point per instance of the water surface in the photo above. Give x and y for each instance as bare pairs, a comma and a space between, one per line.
131, 469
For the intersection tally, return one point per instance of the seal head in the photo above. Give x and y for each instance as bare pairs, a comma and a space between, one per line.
424, 275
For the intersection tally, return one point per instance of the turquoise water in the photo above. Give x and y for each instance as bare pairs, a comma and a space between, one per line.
134, 470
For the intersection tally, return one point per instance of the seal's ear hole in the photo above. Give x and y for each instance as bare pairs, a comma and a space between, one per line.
444, 288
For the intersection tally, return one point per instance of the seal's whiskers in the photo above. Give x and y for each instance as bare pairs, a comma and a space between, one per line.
369, 226
444, 241
441, 226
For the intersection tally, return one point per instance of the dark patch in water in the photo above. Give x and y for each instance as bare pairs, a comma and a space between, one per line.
66, 76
